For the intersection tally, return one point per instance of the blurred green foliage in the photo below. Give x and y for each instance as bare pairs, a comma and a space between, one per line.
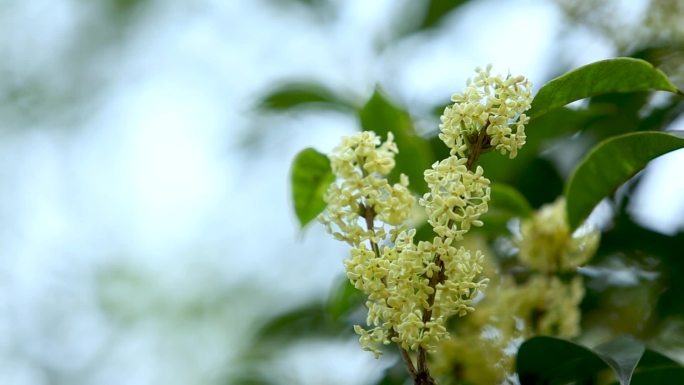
310, 168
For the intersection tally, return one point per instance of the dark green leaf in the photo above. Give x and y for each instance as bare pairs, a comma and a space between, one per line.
306, 321
616, 113
421, 15
311, 176
553, 361
540, 182
437, 10
425, 232
611, 163
506, 203
343, 299
607, 76
250, 379
661, 117
540, 131
548, 360
652, 359
632, 240
507, 198
415, 154
395, 375
303, 94
657, 369
666, 376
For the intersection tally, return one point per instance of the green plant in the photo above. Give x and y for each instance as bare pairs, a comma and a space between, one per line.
418, 276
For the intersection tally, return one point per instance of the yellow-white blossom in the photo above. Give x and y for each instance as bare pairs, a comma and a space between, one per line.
361, 164
548, 245
549, 306
473, 358
456, 199
411, 287
397, 284
490, 103
484, 345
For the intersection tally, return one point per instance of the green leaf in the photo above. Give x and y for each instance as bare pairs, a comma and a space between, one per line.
343, 299
250, 379
655, 360
422, 15
303, 94
611, 163
415, 154
506, 203
507, 198
306, 321
607, 76
540, 131
311, 176
657, 369
666, 376
548, 360
540, 182
661, 117
437, 10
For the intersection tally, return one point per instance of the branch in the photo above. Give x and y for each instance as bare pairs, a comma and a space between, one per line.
477, 147
369, 216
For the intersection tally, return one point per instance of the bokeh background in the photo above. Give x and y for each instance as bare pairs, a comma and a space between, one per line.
147, 232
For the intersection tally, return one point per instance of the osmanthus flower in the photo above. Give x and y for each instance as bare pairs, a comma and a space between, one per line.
547, 244
511, 311
406, 302
361, 164
457, 197
549, 306
474, 356
482, 350
490, 110
413, 287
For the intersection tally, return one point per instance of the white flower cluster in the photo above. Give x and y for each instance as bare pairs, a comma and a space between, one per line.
393, 270
413, 287
361, 164
398, 287
456, 199
549, 306
489, 103
547, 245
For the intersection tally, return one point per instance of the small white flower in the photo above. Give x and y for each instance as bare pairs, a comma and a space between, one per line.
489, 103
457, 197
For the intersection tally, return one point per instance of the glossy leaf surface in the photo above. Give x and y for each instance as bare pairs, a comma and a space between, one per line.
610, 164
415, 155
311, 176
602, 77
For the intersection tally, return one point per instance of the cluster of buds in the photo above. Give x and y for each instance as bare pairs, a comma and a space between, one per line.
414, 287
546, 303
396, 273
489, 113
547, 244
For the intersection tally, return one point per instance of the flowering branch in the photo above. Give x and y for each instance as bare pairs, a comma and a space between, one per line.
413, 287
476, 148
369, 216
